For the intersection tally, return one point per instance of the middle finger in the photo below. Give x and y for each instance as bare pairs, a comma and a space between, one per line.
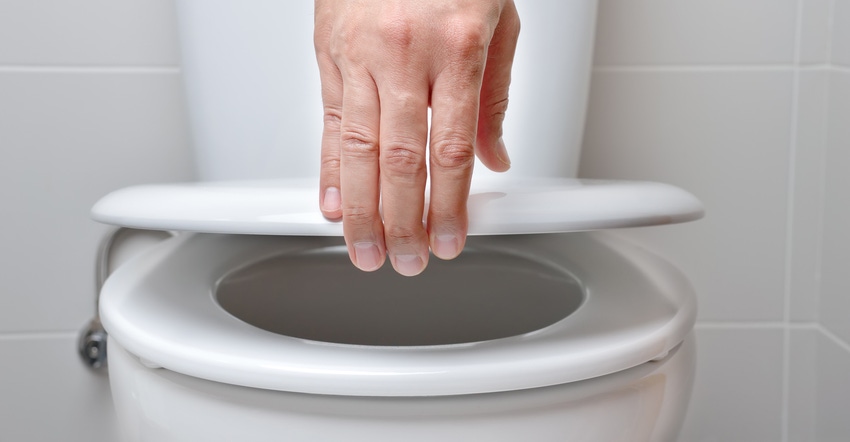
404, 132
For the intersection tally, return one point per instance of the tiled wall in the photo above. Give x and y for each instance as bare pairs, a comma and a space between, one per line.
746, 104
833, 366
89, 102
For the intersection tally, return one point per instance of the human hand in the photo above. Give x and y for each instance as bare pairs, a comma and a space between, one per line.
382, 64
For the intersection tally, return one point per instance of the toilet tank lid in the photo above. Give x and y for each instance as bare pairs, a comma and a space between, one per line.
497, 206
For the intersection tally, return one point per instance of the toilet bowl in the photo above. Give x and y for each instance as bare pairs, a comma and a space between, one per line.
223, 337
249, 322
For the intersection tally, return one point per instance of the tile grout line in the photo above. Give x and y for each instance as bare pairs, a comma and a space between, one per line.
789, 226
818, 289
24, 69
830, 29
704, 67
36, 335
825, 162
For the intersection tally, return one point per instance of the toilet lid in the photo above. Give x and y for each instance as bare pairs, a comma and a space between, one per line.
496, 206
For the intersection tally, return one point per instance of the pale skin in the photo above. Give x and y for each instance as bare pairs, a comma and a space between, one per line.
382, 64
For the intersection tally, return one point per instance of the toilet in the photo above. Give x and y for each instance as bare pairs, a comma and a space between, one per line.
243, 319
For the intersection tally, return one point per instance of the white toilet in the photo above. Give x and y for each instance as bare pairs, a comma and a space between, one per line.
249, 322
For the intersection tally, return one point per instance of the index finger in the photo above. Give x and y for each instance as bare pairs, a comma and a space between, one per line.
330, 199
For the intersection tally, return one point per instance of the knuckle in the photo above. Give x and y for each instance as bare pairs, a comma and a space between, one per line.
496, 111
332, 116
467, 38
358, 143
341, 42
402, 159
407, 100
398, 32
499, 106
448, 216
337, 52
466, 51
330, 163
357, 216
453, 154
401, 235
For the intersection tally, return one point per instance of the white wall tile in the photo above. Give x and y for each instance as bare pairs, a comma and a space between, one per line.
725, 137
814, 32
696, 32
809, 163
835, 292
87, 32
68, 139
738, 391
841, 33
49, 395
802, 393
833, 392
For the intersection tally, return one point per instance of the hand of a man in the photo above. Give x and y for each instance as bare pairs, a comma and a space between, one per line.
382, 64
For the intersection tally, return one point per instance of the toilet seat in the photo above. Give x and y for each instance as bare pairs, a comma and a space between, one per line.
161, 307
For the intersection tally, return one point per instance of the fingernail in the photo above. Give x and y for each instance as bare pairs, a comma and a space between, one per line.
331, 201
409, 265
502, 152
367, 256
446, 246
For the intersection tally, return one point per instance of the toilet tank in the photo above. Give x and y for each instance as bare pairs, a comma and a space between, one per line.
254, 96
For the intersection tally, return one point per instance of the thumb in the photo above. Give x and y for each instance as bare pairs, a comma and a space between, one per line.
490, 148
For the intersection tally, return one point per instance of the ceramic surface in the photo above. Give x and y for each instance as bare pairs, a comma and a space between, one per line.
576, 368
622, 307
497, 206
643, 404
254, 95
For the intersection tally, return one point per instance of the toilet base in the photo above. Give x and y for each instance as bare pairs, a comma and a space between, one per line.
644, 403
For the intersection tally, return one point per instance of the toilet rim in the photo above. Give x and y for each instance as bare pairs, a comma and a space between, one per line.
637, 308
